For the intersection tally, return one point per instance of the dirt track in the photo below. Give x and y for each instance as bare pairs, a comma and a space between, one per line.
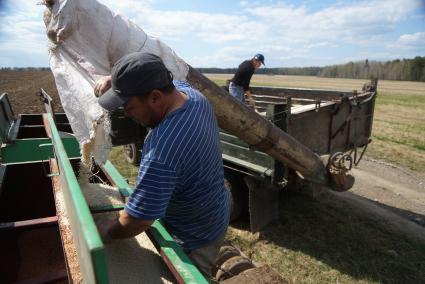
391, 193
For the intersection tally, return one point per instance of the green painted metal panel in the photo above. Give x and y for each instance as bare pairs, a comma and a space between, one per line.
184, 266
232, 139
118, 179
181, 262
89, 246
28, 150
245, 154
106, 208
263, 171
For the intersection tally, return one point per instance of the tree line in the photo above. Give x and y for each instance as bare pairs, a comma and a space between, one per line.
24, 68
404, 70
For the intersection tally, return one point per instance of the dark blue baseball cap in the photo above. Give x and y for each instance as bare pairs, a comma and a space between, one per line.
135, 74
260, 58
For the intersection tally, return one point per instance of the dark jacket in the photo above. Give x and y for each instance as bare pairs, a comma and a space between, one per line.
243, 75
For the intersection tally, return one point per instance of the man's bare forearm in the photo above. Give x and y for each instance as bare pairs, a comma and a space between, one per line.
123, 227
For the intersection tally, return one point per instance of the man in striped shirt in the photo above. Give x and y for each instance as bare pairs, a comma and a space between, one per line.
181, 178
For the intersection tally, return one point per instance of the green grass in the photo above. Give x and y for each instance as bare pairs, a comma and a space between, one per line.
323, 242
401, 100
332, 242
398, 134
127, 170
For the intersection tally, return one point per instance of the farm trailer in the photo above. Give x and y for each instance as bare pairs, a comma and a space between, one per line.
336, 125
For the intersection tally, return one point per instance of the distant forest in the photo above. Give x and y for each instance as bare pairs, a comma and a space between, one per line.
404, 70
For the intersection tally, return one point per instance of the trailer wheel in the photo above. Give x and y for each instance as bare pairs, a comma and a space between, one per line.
132, 153
239, 194
225, 253
233, 267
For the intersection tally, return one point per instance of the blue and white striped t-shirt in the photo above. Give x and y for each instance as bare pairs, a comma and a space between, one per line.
181, 178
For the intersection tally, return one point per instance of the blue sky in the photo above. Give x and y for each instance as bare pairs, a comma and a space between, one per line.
223, 33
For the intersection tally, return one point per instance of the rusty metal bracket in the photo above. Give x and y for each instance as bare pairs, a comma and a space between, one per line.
342, 126
339, 160
339, 165
347, 120
338, 105
355, 160
40, 147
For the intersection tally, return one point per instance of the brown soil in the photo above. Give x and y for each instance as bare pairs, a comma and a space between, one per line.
22, 87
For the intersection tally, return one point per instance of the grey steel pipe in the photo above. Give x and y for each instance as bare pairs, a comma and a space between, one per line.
237, 119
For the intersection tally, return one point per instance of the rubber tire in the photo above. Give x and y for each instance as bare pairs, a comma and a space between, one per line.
225, 253
233, 267
133, 154
239, 194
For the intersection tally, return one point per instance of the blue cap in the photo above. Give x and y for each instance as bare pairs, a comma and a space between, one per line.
260, 58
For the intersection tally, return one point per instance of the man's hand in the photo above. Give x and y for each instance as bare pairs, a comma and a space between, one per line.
102, 85
103, 226
121, 227
251, 101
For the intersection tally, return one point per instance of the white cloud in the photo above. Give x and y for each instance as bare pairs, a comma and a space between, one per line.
338, 22
23, 30
320, 44
412, 40
283, 32
207, 27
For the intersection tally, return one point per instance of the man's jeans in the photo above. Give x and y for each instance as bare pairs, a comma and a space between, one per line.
237, 92
205, 257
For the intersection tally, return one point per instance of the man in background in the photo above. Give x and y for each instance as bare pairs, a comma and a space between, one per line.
239, 84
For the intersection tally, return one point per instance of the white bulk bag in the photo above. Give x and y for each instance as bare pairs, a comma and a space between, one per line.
86, 39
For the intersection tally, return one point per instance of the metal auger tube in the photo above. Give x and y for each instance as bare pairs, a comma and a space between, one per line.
236, 118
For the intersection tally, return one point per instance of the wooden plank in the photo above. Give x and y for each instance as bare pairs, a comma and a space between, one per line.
226, 137
309, 107
314, 94
245, 154
29, 223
